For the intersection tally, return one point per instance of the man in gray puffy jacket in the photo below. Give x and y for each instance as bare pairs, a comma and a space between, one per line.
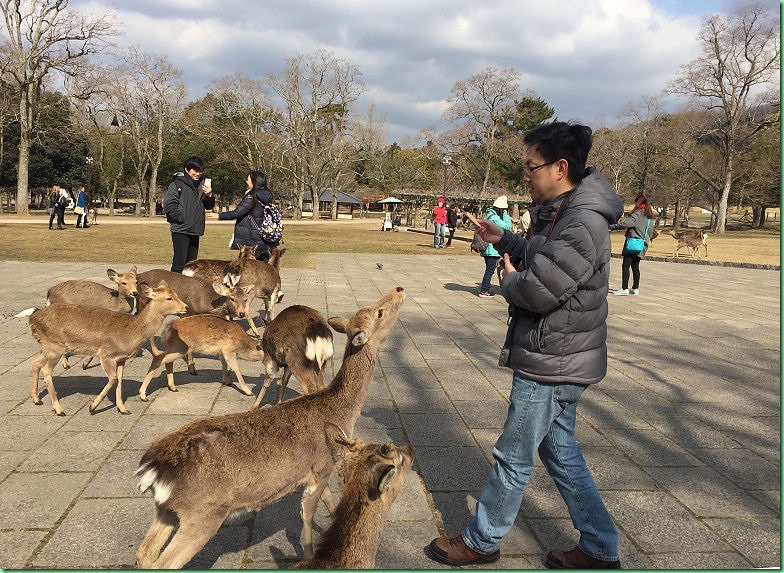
556, 283
184, 203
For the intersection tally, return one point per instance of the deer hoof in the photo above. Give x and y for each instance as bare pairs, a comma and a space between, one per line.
124, 412
60, 413
37, 401
192, 371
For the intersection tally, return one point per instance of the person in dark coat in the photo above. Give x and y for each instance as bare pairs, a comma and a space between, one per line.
184, 203
451, 223
556, 283
249, 216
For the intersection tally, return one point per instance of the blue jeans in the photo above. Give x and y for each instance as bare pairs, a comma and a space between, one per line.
541, 418
439, 233
490, 264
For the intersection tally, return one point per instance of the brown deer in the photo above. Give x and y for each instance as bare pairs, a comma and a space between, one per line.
227, 301
373, 475
215, 467
207, 334
110, 335
299, 340
91, 293
266, 278
692, 239
214, 269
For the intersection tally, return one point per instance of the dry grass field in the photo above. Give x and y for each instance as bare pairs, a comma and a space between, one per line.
127, 240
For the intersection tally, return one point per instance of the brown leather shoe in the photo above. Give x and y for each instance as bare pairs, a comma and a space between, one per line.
454, 551
577, 559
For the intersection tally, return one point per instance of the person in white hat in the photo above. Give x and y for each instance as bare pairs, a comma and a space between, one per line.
499, 215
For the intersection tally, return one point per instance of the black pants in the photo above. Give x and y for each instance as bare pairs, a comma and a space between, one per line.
186, 248
51, 217
451, 234
632, 261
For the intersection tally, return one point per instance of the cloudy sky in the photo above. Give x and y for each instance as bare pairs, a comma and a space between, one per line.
588, 59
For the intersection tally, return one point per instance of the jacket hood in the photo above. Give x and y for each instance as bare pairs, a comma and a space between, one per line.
186, 179
595, 193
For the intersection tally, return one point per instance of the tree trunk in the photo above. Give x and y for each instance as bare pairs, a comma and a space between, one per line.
23, 165
721, 215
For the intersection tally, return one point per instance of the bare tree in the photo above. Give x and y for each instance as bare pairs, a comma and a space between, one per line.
238, 115
46, 37
150, 101
479, 105
317, 91
739, 54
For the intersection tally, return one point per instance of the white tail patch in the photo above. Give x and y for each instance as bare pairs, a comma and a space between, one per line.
148, 478
319, 350
188, 272
29, 311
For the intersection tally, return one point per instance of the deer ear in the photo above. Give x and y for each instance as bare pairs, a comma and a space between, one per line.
336, 434
385, 473
360, 339
145, 290
338, 323
220, 288
133, 270
112, 274
247, 288
163, 284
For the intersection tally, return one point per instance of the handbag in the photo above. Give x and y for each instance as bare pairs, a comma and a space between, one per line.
79, 210
478, 244
633, 245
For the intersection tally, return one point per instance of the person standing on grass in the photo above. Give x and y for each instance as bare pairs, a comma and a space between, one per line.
439, 223
54, 200
81, 207
638, 226
451, 223
184, 203
499, 215
556, 346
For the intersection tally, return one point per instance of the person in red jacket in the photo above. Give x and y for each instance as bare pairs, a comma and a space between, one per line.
439, 224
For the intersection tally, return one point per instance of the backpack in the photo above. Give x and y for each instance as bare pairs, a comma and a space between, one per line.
271, 229
478, 244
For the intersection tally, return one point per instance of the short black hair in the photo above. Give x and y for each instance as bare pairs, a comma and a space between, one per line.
194, 162
562, 140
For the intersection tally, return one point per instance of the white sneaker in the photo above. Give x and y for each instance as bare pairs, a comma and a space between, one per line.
622, 292
634, 291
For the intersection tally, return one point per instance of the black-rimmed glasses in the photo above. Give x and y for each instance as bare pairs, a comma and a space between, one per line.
527, 170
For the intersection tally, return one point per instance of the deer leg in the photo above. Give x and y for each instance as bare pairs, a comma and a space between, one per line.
118, 398
284, 382
109, 366
154, 365
310, 499
86, 362
271, 370
253, 325
38, 361
231, 360
189, 361
65, 363
163, 524
193, 534
154, 350
224, 370
326, 497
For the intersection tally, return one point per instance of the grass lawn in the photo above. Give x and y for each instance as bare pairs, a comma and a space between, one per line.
125, 240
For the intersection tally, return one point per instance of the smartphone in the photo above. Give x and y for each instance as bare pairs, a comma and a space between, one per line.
208, 182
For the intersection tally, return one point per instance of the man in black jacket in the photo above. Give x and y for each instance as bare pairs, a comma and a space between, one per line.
555, 281
184, 203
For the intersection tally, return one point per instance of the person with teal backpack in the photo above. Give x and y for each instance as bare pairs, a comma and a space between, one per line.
497, 214
637, 225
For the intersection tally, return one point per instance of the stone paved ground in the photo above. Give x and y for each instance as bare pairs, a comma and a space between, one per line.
683, 436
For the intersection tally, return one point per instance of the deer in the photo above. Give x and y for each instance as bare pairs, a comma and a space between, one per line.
91, 293
692, 239
215, 269
112, 336
206, 334
373, 475
228, 301
266, 278
299, 339
258, 456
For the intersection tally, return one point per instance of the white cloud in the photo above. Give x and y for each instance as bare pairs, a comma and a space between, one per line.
587, 58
